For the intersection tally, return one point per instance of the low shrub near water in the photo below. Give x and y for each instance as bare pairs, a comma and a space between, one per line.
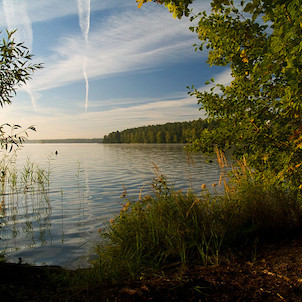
267, 209
178, 228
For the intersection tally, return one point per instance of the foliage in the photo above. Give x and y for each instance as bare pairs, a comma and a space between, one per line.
260, 112
179, 132
264, 209
172, 228
9, 138
15, 70
178, 8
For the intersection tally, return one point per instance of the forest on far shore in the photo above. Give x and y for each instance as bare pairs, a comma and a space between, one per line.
177, 132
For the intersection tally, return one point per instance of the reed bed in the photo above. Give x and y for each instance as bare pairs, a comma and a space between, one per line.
174, 228
24, 204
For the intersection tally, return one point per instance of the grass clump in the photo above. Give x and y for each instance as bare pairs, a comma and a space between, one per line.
179, 228
265, 208
155, 231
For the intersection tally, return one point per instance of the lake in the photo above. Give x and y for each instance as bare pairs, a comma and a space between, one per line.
58, 226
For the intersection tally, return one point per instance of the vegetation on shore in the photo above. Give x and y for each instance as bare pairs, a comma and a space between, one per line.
274, 276
15, 69
185, 246
179, 228
24, 203
170, 133
259, 112
257, 117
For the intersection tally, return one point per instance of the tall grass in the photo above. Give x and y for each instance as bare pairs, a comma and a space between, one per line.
267, 209
29, 178
171, 227
24, 204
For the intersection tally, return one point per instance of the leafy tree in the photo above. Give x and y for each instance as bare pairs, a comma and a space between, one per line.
260, 111
178, 8
178, 132
15, 70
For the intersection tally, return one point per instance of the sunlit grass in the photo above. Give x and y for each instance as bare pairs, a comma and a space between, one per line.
171, 227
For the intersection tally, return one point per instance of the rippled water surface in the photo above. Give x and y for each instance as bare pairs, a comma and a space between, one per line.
59, 225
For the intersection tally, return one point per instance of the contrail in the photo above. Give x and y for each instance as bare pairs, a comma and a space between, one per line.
87, 84
17, 18
84, 17
84, 21
32, 97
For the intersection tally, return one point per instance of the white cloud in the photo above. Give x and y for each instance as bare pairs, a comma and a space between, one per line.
40, 11
16, 16
224, 78
55, 123
125, 42
128, 40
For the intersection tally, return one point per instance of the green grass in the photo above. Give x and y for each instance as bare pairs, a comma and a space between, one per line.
29, 178
178, 228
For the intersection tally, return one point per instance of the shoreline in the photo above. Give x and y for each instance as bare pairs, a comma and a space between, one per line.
275, 275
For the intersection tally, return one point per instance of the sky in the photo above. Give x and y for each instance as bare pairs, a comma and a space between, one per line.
108, 66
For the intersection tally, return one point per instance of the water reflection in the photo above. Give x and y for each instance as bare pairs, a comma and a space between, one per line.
51, 209
25, 211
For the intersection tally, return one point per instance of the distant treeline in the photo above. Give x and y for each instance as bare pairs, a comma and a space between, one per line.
178, 132
65, 141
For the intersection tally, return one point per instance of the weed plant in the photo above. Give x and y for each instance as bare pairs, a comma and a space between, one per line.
170, 227
24, 200
266, 209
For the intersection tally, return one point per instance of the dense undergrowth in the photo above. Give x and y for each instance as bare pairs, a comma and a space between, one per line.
170, 227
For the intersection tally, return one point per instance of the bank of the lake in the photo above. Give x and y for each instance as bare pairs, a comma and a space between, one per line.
275, 275
181, 245
86, 182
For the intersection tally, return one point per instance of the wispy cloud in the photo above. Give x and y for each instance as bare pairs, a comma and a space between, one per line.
224, 78
16, 17
84, 17
40, 11
122, 39
84, 20
123, 42
55, 122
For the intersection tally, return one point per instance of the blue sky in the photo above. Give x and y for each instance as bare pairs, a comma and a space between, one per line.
107, 66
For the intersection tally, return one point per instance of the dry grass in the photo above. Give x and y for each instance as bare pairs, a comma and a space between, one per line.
174, 227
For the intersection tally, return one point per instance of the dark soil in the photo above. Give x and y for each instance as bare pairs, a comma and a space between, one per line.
276, 275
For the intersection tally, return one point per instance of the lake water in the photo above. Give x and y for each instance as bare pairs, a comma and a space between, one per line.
59, 226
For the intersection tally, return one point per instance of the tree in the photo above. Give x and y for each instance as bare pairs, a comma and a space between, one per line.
178, 132
260, 112
15, 70
178, 8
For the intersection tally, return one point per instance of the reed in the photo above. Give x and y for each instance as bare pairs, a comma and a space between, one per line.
166, 227
171, 227
24, 200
